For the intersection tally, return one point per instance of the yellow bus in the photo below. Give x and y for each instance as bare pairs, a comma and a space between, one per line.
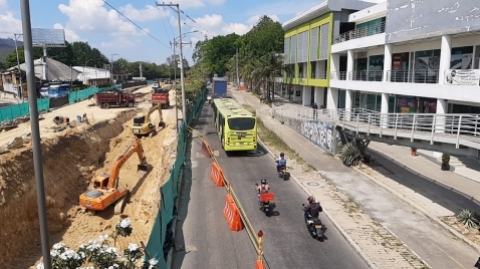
236, 126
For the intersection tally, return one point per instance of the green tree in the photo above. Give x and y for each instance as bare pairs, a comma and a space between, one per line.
12, 58
218, 51
268, 68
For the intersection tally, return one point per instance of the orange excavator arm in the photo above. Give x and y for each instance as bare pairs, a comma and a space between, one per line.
114, 173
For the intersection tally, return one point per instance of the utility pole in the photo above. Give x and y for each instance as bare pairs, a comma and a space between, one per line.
238, 80
175, 66
111, 67
141, 73
35, 128
182, 81
19, 69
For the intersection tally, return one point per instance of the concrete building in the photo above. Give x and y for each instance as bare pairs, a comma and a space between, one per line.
92, 76
308, 41
409, 58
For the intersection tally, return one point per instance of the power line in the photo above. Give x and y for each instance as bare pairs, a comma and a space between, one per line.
135, 24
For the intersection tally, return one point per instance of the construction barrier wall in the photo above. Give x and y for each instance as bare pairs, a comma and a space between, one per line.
160, 238
19, 110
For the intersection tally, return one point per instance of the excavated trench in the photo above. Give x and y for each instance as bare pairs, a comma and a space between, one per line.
69, 164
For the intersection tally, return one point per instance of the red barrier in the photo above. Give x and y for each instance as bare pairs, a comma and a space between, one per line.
217, 175
232, 214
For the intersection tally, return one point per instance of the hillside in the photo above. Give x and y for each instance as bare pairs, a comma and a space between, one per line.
7, 46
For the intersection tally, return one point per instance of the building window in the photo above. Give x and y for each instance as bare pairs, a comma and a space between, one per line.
427, 63
313, 66
461, 58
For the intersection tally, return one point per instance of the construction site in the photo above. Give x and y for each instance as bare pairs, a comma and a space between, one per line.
103, 142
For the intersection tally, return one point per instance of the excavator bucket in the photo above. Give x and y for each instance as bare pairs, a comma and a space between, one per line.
142, 168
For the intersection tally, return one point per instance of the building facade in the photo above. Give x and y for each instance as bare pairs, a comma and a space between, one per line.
421, 57
308, 40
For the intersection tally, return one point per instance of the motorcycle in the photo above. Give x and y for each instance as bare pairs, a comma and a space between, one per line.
315, 227
283, 172
209, 98
265, 199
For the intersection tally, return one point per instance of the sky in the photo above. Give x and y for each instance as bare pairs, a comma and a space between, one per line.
95, 22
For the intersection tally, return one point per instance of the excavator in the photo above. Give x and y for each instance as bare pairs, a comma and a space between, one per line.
106, 190
142, 124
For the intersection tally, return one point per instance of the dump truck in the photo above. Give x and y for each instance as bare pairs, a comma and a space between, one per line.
114, 98
161, 96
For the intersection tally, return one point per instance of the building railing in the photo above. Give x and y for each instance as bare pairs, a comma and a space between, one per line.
458, 127
360, 32
338, 75
371, 75
413, 76
319, 75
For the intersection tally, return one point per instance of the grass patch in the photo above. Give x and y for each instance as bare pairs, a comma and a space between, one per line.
271, 139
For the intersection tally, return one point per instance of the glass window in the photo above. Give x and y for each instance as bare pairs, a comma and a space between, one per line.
241, 124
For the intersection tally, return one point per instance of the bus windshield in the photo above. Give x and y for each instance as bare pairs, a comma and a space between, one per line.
53, 90
241, 124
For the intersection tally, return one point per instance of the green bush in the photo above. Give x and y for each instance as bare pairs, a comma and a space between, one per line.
468, 218
351, 155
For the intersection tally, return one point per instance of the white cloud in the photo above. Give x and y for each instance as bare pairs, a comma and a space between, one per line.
70, 35
9, 24
214, 25
254, 19
216, 2
148, 13
93, 16
120, 42
282, 8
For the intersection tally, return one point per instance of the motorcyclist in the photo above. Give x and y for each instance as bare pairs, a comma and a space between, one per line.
209, 98
262, 188
281, 162
313, 209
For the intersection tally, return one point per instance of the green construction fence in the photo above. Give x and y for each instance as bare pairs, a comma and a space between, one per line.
169, 191
84, 94
19, 110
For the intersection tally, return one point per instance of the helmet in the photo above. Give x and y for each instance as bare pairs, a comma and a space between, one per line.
282, 154
264, 181
311, 199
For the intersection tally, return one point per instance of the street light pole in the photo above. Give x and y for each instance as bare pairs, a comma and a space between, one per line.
175, 84
35, 128
182, 81
19, 69
111, 67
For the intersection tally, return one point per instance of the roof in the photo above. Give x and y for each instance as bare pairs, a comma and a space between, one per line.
55, 70
231, 109
324, 8
86, 72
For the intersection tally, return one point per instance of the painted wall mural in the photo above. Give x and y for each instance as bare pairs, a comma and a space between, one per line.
320, 133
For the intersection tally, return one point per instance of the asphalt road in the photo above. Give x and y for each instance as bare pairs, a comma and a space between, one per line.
287, 243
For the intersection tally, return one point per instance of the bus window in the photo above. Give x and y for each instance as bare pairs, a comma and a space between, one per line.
241, 124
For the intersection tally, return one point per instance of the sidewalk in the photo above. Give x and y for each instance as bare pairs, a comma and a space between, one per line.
425, 238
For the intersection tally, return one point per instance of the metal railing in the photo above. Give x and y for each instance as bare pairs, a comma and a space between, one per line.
371, 75
338, 75
455, 127
413, 76
360, 32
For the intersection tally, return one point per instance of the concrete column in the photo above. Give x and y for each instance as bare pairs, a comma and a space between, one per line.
440, 120
306, 96
387, 62
384, 110
332, 98
350, 65
445, 57
335, 65
348, 104
319, 94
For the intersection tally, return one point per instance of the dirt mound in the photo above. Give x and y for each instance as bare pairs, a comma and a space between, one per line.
69, 163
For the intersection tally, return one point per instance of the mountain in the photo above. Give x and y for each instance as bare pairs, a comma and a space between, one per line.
7, 46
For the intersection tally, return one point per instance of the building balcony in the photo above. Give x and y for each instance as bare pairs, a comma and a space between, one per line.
318, 79
370, 30
413, 76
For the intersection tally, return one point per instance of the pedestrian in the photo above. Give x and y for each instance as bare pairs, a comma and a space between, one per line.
315, 107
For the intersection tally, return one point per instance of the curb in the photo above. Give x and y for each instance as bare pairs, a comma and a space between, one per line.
422, 210
342, 231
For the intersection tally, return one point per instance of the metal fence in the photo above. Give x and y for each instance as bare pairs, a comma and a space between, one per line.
158, 245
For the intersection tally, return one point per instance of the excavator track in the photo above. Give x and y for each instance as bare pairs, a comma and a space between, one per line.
120, 204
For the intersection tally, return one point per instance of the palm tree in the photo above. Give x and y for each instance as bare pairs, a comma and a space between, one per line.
269, 67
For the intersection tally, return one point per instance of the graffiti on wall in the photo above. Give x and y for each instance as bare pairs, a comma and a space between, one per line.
320, 133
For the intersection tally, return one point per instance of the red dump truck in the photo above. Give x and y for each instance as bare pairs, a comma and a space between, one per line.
161, 96
114, 98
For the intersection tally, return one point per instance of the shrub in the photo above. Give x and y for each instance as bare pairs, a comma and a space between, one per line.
351, 155
468, 218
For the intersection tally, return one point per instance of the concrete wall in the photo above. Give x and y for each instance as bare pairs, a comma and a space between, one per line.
408, 20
